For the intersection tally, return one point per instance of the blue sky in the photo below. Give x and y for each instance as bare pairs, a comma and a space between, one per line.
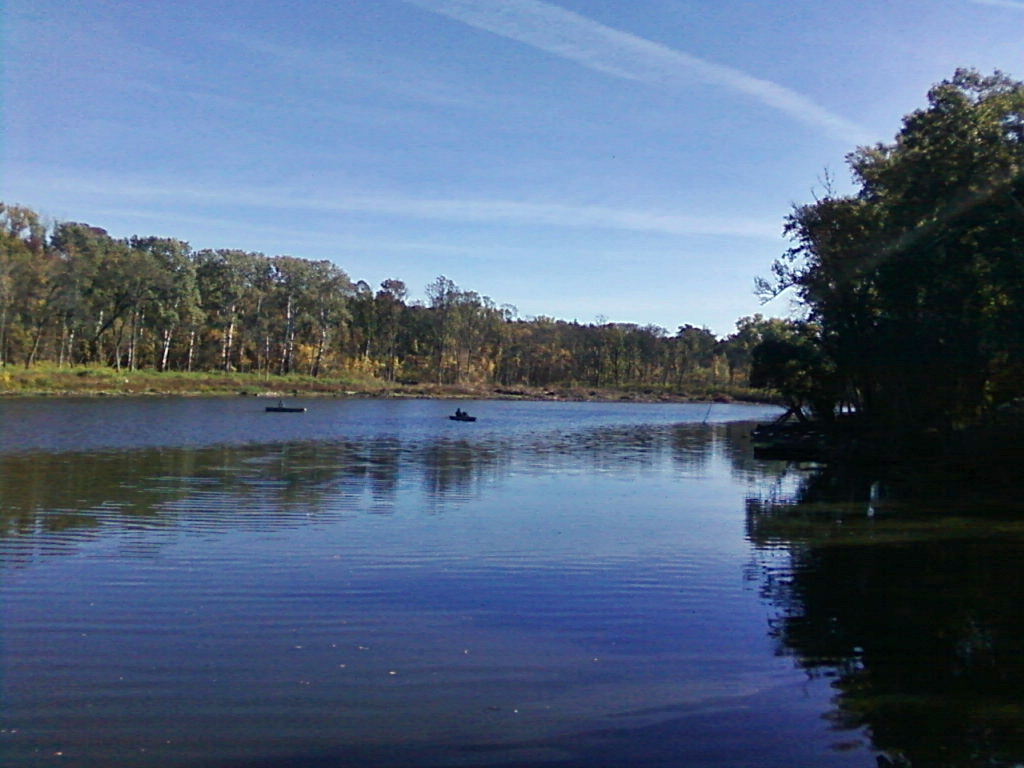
590, 160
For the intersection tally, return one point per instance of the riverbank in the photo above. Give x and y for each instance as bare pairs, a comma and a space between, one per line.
91, 381
985, 454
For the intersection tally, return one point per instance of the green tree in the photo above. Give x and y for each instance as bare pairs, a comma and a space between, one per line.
389, 306
444, 296
28, 284
173, 299
103, 286
235, 288
692, 352
363, 327
790, 360
327, 307
293, 278
917, 281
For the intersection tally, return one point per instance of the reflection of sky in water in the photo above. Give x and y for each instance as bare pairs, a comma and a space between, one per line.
552, 591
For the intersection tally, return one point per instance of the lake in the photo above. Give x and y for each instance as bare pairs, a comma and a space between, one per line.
196, 582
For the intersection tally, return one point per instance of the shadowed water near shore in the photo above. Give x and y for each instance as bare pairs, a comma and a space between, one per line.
905, 594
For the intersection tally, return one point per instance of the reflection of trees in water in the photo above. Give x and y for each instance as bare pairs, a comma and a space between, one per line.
64, 497
252, 487
450, 469
919, 620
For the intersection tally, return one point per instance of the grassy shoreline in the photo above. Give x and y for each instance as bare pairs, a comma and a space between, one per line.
87, 381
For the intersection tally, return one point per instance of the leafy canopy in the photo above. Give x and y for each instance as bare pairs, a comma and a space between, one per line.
917, 280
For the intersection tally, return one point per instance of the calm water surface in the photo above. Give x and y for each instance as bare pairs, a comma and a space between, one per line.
196, 582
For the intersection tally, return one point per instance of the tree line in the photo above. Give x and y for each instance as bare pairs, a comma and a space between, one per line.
71, 294
914, 284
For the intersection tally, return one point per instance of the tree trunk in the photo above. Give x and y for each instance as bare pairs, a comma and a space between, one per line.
31, 359
191, 349
165, 347
228, 340
321, 344
289, 338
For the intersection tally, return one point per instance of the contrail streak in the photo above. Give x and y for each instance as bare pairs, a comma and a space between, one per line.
621, 54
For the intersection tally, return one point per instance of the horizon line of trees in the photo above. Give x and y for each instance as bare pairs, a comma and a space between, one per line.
71, 294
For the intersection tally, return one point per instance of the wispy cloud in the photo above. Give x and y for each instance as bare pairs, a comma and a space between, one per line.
1016, 5
624, 55
232, 202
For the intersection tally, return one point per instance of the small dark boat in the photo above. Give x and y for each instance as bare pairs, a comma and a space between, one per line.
282, 408
461, 415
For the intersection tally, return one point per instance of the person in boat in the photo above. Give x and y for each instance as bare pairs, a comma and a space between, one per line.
459, 413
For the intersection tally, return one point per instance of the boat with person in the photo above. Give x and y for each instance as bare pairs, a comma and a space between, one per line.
461, 415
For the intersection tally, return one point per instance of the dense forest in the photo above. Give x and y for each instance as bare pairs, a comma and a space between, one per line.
71, 294
913, 285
